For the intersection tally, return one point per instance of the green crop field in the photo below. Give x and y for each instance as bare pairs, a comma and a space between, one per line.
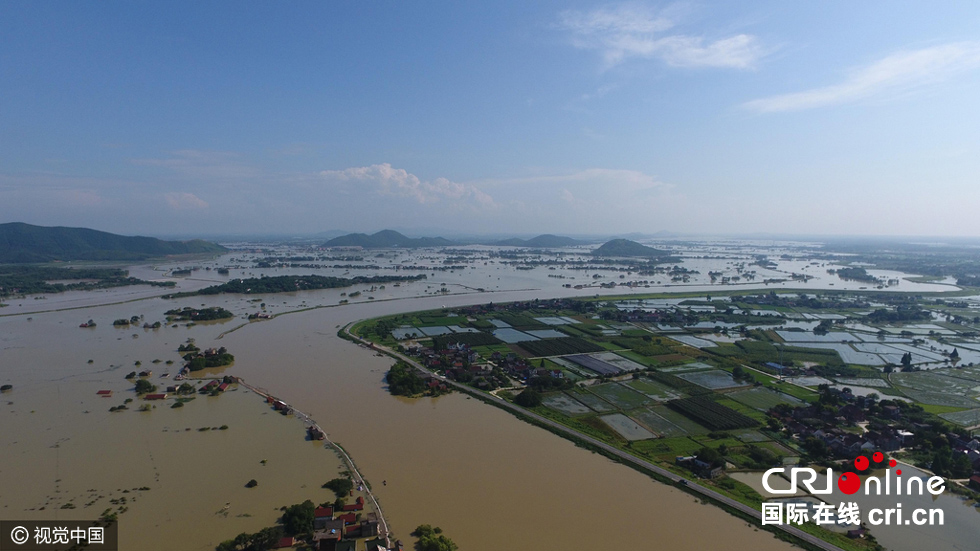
690, 426
763, 399
713, 379
565, 404
442, 320
929, 381
521, 321
658, 391
622, 396
971, 373
941, 399
711, 414
559, 347
750, 436
593, 401
968, 418
626, 427
440, 342
658, 424
667, 448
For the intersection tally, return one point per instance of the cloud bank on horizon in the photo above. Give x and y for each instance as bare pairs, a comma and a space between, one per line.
511, 118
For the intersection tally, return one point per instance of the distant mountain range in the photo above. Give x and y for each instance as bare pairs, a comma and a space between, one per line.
540, 242
386, 239
21, 243
625, 247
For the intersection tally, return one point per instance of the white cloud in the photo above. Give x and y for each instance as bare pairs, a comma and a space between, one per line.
898, 72
626, 31
388, 180
185, 201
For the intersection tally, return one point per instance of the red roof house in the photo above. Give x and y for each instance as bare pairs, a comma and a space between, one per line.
356, 506
349, 518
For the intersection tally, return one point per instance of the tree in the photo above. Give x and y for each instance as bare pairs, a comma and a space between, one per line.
947, 463
529, 398
432, 539
907, 360
816, 448
403, 380
340, 486
298, 519
263, 540
712, 456
144, 387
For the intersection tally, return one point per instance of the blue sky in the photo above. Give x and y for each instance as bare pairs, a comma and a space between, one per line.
503, 117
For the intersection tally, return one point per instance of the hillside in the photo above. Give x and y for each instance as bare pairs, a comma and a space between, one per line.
625, 247
539, 242
20, 243
386, 239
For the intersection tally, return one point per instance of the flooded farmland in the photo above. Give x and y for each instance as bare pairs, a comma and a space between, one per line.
491, 481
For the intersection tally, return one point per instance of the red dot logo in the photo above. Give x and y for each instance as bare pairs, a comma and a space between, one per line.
861, 462
878, 457
899, 472
849, 483
892, 463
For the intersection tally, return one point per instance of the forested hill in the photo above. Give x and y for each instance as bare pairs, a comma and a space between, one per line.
21, 243
625, 247
541, 241
386, 239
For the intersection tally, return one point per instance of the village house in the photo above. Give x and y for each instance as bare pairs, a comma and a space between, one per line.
327, 538
321, 516
358, 505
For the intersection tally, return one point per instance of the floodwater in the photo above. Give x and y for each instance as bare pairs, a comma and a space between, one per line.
63, 448
489, 480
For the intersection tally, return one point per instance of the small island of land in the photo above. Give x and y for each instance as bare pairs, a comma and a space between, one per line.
198, 314
31, 280
290, 284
